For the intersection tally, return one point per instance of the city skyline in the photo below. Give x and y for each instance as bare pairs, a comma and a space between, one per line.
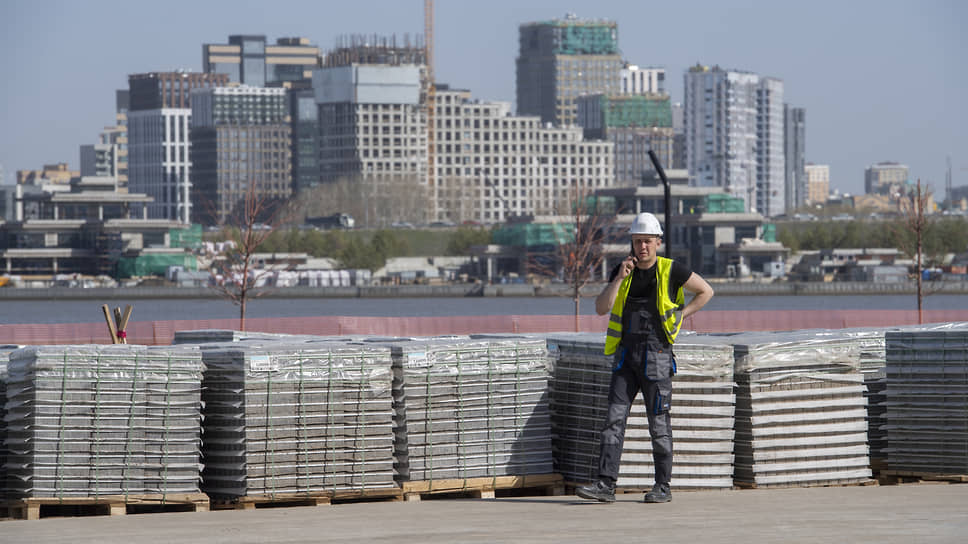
879, 80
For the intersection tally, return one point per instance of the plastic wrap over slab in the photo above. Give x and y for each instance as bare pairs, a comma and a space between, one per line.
795, 352
282, 361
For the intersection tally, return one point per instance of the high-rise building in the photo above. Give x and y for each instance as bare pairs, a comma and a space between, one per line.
560, 60
885, 178
100, 160
678, 138
371, 94
635, 124
168, 90
248, 60
304, 114
158, 139
818, 182
371, 121
492, 166
734, 135
638, 80
240, 146
794, 145
117, 135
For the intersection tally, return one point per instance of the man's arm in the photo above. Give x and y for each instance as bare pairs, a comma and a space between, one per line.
606, 299
702, 293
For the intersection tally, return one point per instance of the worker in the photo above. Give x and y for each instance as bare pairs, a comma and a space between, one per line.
645, 297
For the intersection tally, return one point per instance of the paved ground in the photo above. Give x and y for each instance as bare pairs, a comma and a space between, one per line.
914, 513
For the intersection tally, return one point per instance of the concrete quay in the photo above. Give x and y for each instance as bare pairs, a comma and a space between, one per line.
921, 512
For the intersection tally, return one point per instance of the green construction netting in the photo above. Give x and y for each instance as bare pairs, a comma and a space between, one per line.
723, 203
190, 237
586, 39
636, 111
154, 265
534, 234
769, 233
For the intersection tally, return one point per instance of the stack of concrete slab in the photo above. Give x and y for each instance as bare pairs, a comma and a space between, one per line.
927, 400
88, 421
289, 417
208, 336
872, 355
800, 410
873, 360
703, 414
471, 408
4, 358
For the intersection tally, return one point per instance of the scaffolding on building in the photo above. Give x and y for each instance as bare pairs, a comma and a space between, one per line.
724, 203
575, 37
374, 49
152, 264
650, 110
190, 237
534, 234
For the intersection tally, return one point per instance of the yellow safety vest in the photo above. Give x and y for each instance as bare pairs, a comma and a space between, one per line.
669, 310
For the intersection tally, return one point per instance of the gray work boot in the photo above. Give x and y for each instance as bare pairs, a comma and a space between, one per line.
599, 491
659, 493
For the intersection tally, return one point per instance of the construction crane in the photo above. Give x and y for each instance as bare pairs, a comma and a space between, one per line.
431, 98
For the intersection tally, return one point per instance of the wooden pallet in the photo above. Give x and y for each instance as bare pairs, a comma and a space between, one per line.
111, 505
853, 482
895, 477
485, 488
319, 498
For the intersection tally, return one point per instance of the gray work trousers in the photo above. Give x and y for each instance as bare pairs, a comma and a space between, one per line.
627, 380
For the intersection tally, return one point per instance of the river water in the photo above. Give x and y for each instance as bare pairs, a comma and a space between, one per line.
89, 311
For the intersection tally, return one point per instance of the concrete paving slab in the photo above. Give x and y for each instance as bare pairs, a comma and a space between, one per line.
933, 513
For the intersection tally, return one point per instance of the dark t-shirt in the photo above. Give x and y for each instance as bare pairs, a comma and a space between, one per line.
643, 281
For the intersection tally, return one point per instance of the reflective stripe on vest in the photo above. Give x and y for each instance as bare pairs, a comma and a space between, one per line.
670, 311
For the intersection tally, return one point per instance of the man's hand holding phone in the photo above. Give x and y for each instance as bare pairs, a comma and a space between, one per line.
628, 265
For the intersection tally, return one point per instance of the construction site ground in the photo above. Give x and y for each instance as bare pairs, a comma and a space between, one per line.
916, 512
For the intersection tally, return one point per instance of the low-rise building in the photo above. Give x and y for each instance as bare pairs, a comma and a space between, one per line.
87, 230
709, 231
850, 264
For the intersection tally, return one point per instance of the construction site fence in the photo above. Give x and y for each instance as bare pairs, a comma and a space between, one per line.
711, 321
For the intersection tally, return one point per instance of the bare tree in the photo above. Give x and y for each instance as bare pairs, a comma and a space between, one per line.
254, 219
913, 219
579, 253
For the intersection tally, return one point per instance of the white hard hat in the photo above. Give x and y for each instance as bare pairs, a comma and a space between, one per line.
646, 223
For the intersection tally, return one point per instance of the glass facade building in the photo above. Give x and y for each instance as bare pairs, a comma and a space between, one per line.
250, 60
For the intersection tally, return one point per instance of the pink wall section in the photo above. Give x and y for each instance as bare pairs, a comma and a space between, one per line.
162, 332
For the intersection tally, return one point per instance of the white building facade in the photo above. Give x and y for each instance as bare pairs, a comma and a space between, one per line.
770, 152
491, 166
158, 161
642, 80
733, 126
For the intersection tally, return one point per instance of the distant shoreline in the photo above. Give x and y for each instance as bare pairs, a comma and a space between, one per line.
474, 290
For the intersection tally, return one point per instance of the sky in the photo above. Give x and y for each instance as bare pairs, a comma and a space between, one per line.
881, 80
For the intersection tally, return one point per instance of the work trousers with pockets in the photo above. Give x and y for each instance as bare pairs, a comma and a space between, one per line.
627, 380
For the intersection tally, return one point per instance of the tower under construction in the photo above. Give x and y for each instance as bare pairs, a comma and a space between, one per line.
562, 59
